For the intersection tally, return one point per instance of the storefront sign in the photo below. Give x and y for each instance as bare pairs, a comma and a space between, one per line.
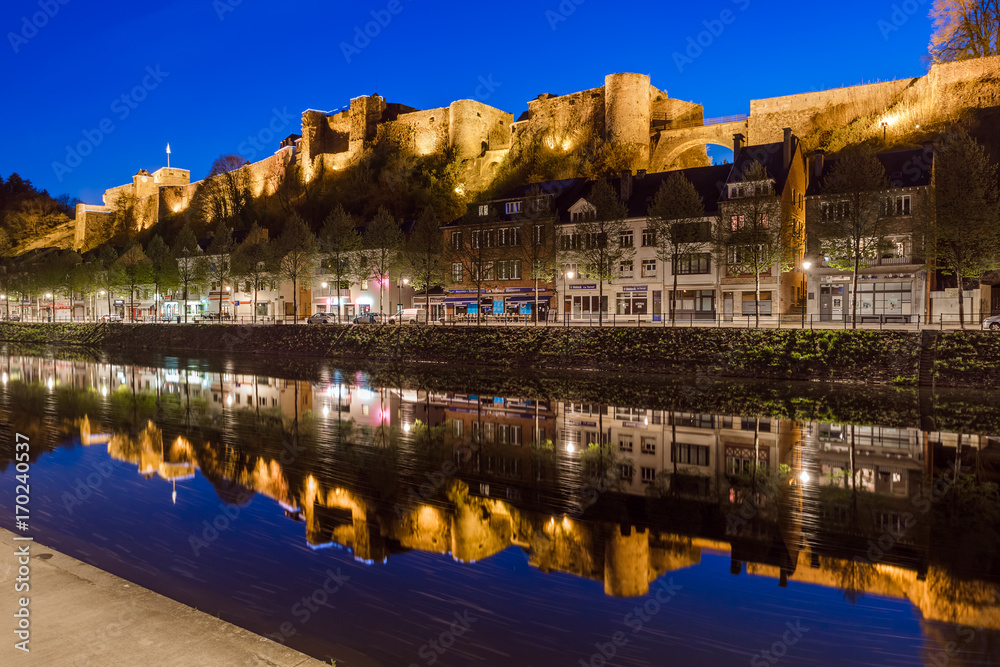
589, 286
633, 424
634, 288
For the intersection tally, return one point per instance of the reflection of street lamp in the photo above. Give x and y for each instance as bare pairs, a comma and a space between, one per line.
567, 276
49, 297
399, 296
805, 298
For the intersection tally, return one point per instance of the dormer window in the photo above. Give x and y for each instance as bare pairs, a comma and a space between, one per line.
484, 210
513, 207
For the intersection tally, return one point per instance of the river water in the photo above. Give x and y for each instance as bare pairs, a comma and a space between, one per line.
425, 516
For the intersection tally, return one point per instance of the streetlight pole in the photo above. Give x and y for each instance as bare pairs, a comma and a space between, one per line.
567, 276
805, 295
49, 297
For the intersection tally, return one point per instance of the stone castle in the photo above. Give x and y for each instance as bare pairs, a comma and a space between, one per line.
628, 110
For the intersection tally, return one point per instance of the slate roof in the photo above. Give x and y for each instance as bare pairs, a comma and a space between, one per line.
908, 168
771, 156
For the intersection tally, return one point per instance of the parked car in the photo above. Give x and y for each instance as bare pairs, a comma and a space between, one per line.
409, 316
322, 318
14, 318
369, 318
113, 317
992, 322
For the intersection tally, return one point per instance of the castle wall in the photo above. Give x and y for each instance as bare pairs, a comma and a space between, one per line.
627, 100
430, 129
567, 120
959, 85
808, 112
473, 124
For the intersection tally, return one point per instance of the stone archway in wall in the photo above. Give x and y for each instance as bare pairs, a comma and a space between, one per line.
684, 155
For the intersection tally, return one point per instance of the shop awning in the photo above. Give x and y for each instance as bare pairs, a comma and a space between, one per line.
460, 300
527, 299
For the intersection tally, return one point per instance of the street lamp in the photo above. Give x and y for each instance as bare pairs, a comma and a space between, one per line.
805, 297
49, 297
567, 276
399, 296
885, 125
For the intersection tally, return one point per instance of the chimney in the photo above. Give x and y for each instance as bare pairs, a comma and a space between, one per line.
737, 145
640, 174
626, 189
818, 164
787, 155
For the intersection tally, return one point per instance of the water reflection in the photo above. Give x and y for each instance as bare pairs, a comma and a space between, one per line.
615, 494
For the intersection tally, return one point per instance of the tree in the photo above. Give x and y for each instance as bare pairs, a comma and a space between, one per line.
339, 245
380, 248
964, 29
218, 259
538, 241
600, 250
134, 268
163, 268
252, 261
127, 216
34, 217
672, 220
226, 194
108, 275
965, 237
190, 268
6, 270
750, 237
296, 256
854, 229
424, 254
472, 251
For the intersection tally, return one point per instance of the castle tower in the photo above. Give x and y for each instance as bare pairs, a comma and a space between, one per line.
626, 564
627, 112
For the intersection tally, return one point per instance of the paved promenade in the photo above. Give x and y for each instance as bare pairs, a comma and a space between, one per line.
80, 615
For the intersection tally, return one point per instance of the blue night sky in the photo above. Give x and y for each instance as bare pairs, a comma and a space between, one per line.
229, 69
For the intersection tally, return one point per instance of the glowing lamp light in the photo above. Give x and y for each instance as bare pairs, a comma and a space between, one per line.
406, 428
326, 411
569, 274
807, 265
227, 288
571, 448
3, 378
229, 399
324, 285
104, 391
50, 383
804, 477
48, 296
406, 281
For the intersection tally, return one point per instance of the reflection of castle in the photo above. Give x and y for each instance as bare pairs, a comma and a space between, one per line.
789, 500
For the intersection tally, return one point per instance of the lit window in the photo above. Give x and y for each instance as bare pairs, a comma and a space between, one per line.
484, 209
649, 268
513, 207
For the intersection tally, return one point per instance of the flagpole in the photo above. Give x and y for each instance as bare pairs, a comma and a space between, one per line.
168, 156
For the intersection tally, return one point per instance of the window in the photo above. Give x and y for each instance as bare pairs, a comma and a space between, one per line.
484, 210
839, 210
456, 240
625, 443
484, 272
647, 475
596, 240
456, 272
508, 237
538, 235
696, 455
626, 471
626, 268
570, 241
649, 268
899, 205
627, 239
648, 237
697, 263
458, 428
508, 269
513, 207
648, 445
737, 222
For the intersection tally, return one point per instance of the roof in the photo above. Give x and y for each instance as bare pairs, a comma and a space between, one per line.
908, 168
772, 156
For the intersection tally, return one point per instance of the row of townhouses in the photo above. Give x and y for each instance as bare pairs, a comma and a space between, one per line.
517, 257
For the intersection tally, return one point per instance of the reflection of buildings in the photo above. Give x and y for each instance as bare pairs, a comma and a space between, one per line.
510, 471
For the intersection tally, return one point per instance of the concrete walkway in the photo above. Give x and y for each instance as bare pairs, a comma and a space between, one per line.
80, 615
